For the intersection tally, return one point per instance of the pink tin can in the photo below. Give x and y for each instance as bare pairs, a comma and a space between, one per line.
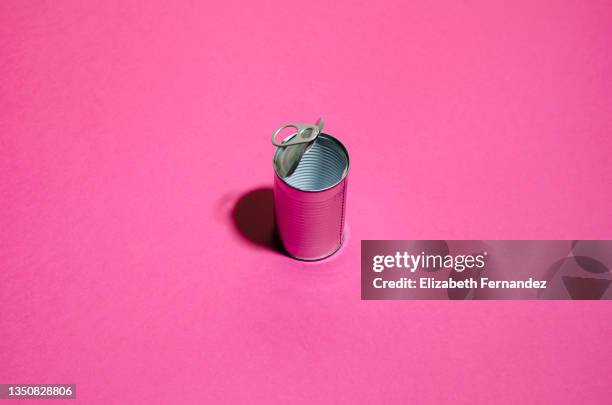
310, 182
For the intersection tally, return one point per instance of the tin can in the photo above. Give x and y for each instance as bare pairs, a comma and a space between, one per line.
310, 200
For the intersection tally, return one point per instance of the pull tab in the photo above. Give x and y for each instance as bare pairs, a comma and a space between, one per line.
306, 133
292, 150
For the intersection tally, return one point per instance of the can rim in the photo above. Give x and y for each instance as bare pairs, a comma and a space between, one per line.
346, 171
319, 258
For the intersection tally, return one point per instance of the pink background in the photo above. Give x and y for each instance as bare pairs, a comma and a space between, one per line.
129, 131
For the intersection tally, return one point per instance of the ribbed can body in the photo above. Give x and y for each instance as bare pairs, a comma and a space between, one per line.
309, 205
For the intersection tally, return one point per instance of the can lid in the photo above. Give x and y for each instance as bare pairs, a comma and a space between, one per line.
294, 146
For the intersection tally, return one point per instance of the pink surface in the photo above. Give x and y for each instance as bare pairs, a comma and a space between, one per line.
129, 133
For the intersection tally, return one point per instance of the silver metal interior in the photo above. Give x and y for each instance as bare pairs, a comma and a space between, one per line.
323, 165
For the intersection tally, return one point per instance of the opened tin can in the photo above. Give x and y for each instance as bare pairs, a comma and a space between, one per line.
310, 183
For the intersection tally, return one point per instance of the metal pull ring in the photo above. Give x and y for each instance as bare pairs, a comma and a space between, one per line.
306, 133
